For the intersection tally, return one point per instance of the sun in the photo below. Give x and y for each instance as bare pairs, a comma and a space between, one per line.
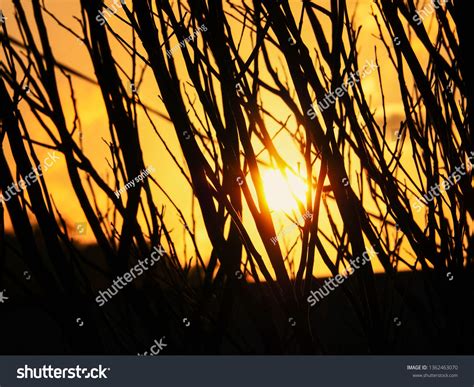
280, 192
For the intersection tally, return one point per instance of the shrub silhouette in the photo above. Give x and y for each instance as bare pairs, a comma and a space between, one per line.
360, 188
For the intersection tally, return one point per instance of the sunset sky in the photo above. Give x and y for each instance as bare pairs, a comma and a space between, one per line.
94, 123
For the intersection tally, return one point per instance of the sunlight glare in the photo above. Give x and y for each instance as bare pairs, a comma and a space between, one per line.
280, 192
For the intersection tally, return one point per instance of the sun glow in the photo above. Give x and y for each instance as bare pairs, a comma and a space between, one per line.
280, 192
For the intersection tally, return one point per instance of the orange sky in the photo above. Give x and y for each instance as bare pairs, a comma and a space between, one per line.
94, 122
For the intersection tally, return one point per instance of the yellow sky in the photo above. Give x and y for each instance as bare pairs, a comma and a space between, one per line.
72, 53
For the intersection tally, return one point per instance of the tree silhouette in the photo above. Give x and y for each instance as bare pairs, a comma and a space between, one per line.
229, 108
